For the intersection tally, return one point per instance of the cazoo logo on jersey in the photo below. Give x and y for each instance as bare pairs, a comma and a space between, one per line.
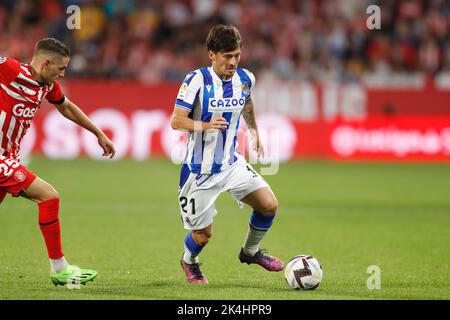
19, 110
226, 104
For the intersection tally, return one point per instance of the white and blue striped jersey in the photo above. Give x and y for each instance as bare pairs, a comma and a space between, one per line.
207, 96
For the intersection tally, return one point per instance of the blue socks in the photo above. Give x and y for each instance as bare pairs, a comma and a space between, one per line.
191, 249
259, 224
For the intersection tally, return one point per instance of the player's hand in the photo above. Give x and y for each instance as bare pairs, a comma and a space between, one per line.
218, 124
256, 143
107, 146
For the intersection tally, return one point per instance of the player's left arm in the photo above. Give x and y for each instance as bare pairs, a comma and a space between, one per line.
72, 112
249, 116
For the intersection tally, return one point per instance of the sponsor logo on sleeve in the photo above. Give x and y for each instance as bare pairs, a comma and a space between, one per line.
183, 91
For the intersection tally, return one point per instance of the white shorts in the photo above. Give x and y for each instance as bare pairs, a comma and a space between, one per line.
198, 195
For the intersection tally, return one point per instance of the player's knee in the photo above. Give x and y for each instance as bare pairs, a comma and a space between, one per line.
204, 241
43, 193
202, 237
269, 207
205, 237
50, 194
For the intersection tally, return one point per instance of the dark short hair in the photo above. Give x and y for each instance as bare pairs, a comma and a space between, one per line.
222, 38
52, 45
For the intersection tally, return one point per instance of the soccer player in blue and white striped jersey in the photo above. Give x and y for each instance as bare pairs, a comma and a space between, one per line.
209, 106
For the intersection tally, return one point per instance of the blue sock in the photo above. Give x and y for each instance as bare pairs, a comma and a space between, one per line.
191, 249
260, 221
258, 226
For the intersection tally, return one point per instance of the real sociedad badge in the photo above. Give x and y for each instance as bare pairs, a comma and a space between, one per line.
245, 89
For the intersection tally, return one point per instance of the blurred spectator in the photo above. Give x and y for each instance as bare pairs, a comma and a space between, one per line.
317, 40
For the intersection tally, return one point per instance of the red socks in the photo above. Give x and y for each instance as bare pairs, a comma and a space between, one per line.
50, 227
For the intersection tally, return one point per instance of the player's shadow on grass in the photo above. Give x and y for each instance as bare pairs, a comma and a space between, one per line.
103, 291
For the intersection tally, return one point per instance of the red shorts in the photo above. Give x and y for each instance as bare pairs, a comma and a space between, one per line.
14, 177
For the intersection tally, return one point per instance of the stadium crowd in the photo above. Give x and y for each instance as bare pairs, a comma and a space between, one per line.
158, 40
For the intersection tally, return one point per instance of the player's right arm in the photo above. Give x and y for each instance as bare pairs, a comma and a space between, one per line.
72, 112
181, 121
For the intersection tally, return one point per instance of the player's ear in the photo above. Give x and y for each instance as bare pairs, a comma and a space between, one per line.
211, 55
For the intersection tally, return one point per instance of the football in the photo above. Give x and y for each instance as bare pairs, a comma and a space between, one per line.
303, 272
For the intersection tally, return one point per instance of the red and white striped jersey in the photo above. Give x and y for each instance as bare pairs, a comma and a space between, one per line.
20, 98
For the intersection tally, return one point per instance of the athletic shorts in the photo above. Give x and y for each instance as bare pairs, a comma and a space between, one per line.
14, 177
199, 193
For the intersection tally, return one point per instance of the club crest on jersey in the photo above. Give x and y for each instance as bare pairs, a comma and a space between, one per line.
226, 104
20, 176
245, 89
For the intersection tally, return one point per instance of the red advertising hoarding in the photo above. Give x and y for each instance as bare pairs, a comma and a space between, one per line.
396, 137
335, 121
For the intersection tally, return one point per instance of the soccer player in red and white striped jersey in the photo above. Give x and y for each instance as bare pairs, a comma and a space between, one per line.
22, 89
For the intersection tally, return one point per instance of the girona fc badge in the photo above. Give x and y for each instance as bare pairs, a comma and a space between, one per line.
20, 176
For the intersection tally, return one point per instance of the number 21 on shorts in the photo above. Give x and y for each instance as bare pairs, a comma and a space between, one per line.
184, 202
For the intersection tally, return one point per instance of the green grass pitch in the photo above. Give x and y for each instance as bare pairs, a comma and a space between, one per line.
122, 219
